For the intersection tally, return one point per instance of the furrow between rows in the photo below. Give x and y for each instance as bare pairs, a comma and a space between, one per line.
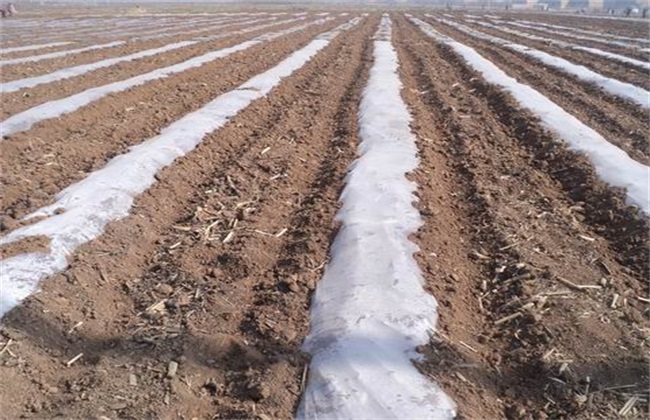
86, 138
620, 122
505, 222
17, 72
214, 346
597, 62
82, 69
610, 162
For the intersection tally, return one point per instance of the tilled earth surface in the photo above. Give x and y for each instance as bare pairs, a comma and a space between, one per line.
196, 304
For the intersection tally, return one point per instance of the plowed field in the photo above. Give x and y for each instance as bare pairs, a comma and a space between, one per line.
338, 214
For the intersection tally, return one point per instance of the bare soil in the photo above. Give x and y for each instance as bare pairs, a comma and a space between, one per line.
619, 121
610, 68
24, 99
620, 26
196, 304
232, 315
521, 225
57, 152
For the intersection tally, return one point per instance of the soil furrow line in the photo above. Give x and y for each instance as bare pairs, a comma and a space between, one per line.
220, 373
629, 50
31, 69
284, 300
87, 34
65, 27
637, 95
620, 122
55, 55
600, 34
447, 238
610, 68
114, 31
121, 23
55, 153
621, 26
522, 232
25, 50
82, 69
604, 206
28, 97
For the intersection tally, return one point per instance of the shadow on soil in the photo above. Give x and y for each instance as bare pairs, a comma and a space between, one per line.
527, 382
202, 349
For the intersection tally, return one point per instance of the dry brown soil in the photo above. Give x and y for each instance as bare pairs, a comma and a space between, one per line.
196, 304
